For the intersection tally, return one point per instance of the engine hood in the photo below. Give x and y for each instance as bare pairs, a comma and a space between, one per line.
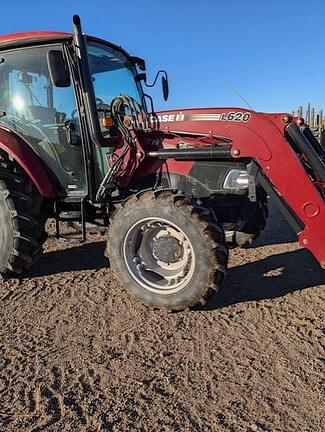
200, 121
247, 131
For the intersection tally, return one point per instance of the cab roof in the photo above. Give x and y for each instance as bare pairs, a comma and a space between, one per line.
32, 35
21, 39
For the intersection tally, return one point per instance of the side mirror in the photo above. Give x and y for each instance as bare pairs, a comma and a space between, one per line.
165, 87
164, 81
59, 72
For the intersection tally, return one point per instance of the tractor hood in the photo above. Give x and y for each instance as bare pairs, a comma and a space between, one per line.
215, 122
202, 121
225, 126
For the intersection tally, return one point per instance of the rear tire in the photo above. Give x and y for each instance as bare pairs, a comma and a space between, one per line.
22, 219
166, 251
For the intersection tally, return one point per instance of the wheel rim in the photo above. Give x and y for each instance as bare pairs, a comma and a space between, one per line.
159, 255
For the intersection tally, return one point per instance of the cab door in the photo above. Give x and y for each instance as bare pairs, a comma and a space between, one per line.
46, 117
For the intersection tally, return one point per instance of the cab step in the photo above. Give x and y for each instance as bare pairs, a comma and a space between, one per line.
63, 213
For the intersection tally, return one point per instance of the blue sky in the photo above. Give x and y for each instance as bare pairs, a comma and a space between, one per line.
272, 53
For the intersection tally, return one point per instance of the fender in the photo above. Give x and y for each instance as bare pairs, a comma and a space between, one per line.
28, 160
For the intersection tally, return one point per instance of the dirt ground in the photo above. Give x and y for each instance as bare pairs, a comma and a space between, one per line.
78, 354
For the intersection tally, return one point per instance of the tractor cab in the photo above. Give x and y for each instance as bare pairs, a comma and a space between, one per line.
46, 113
56, 92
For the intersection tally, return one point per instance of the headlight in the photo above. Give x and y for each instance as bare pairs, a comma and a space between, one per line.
236, 179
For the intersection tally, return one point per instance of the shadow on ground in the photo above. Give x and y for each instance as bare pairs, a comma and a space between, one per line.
85, 257
270, 277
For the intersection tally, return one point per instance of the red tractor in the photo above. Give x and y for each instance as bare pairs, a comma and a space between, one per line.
80, 142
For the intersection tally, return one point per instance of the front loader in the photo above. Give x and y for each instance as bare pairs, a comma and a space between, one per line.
80, 142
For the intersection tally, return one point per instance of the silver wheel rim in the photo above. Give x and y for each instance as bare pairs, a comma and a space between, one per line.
145, 267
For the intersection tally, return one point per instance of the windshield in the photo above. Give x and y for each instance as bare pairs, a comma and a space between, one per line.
112, 74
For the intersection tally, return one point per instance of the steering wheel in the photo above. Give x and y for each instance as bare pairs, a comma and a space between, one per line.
99, 101
102, 106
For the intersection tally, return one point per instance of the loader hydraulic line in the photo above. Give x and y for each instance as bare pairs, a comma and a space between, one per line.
307, 149
193, 154
313, 141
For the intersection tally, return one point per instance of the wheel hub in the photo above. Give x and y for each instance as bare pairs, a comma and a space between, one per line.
167, 249
159, 255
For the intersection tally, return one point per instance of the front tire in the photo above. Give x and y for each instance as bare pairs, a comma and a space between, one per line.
168, 252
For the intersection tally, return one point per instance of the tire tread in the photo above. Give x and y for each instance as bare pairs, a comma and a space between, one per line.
27, 217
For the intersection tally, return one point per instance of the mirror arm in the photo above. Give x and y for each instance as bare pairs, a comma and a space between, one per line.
163, 72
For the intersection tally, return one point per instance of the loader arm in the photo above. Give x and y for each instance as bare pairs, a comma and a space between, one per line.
289, 166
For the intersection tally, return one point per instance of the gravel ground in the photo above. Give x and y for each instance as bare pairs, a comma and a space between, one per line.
77, 353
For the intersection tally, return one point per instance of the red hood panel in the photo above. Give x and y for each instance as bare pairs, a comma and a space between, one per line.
241, 126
